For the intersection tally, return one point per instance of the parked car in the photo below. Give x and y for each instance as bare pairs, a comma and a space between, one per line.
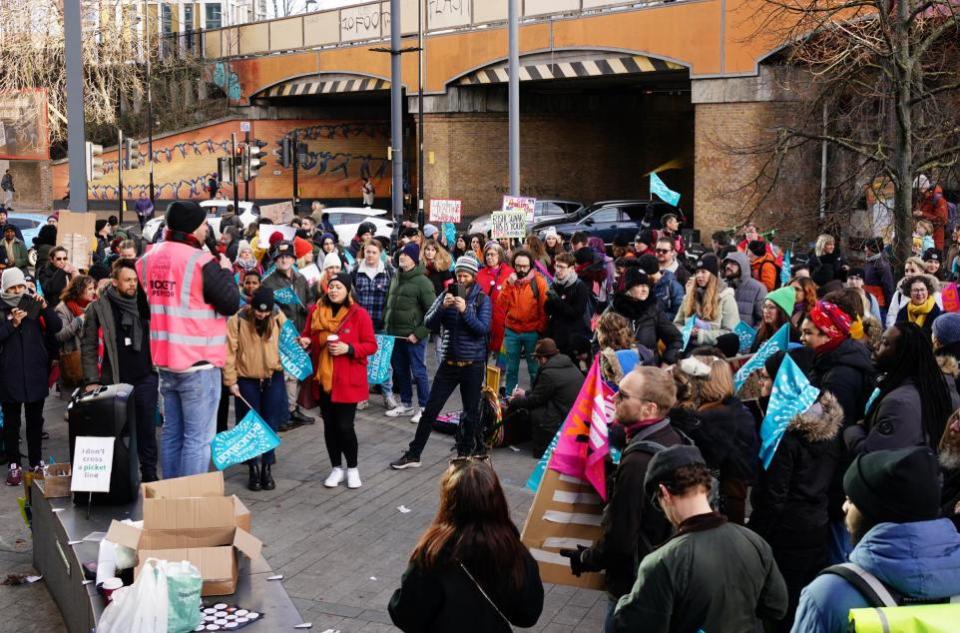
609, 218
249, 213
542, 210
29, 225
346, 221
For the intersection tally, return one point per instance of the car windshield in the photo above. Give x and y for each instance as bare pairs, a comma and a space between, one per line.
23, 223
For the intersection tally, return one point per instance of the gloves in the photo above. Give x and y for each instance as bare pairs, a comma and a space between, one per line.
576, 560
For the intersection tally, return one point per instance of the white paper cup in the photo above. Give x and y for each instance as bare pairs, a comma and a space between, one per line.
109, 586
333, 338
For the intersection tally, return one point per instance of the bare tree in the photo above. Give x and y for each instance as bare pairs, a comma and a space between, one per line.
884, 79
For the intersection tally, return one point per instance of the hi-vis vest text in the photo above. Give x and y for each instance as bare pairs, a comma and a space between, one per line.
184, 329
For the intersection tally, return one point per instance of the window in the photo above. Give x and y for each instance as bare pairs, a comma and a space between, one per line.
335, 218
214, 15
166, 19
543, 209
23, 223
609, 214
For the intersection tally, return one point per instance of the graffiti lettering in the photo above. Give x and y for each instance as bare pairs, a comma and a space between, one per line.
227, 80
448, 7
363, 21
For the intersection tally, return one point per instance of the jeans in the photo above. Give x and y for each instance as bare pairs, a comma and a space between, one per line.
517, 343
470, 379
409, 357
33, 411
190, 402
339, 433
268, 398
145, 396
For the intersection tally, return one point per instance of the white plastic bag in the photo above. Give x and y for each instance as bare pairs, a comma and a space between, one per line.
141, 607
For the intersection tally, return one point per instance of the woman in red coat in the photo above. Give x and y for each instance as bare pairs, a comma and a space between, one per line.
340, 333
492, 279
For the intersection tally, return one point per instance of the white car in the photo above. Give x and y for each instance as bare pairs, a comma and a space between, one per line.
249, 213
346, 221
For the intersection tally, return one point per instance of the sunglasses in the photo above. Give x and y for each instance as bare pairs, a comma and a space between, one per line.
59, 259
664, 250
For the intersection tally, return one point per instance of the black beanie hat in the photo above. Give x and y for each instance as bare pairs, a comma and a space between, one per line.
185, 216
343, 278
648, 264
97, 225
899, 486
710, 263
583, 255
758, 248
635, 277
263, 299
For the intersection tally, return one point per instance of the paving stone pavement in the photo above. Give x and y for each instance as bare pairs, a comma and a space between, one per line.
341, 551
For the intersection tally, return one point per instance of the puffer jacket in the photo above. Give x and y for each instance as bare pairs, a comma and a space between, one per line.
791, 495
748, 292
899, 300
523, 302
410, 296
729, 316
670, 293
249, 355
464, 334
492, 282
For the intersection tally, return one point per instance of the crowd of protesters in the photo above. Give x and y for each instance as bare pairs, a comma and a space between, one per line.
692, 516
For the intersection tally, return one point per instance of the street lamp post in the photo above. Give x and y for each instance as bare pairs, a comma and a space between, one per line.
420, 183
76, 135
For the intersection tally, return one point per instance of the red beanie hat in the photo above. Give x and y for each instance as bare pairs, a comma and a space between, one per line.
276, 237
301, 247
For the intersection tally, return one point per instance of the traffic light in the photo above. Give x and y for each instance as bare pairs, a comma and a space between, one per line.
94, 155
133, 159
286, 152
253, 159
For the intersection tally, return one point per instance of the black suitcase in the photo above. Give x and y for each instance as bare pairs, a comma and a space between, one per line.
109, 412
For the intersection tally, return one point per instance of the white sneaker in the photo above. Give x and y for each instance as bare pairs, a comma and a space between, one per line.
416, 417
336, 476
401, 409
353, 478
363, 405
390, 402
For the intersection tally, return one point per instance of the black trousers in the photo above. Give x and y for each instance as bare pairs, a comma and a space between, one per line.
448, 377
338, 430
146, 394
33, 411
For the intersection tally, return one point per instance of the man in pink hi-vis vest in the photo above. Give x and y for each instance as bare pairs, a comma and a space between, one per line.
191, 294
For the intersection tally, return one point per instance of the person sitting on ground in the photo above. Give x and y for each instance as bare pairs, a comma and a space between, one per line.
651, 327
712, 304
777, 308
892, 508
554, 392
712, 575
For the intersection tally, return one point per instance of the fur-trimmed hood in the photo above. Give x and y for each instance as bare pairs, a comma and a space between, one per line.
820, 422
949, 365
932, 281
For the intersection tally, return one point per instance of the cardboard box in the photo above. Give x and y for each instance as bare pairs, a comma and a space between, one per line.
205, 529
56, 481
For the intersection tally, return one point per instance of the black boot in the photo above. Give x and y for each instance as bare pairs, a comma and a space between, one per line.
254, 483
266, 479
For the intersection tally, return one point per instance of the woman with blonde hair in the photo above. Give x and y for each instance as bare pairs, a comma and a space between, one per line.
913, 267
826, 262
469, 572
710, 301
724, 430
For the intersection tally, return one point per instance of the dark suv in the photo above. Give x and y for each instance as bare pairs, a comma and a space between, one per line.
610, 218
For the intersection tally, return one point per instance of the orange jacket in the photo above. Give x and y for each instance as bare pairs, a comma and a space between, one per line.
523, 306
933, 207
765, 271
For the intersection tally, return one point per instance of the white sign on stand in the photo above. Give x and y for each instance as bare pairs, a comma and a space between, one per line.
92, 464
445, 210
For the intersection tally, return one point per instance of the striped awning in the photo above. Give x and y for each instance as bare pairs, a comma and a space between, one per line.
315, 86
628, 65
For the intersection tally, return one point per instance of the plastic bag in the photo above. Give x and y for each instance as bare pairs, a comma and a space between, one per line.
184, 583
126, 557
142, 606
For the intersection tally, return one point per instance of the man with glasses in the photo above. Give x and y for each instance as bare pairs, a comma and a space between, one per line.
632, 528
523, 301
667, 258
56, 273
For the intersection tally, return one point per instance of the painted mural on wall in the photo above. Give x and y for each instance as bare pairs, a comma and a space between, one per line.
339, 154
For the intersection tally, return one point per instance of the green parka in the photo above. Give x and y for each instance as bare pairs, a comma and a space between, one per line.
410, 295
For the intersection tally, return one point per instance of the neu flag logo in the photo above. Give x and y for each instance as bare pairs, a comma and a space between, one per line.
792, 395
662, 191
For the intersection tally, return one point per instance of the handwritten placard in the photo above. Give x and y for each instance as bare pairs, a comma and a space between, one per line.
508, 224
92, 464
279, 213
445, 210
519, 203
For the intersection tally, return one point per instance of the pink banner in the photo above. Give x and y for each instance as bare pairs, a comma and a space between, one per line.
582, 445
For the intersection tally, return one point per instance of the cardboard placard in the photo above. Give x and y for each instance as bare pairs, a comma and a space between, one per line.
508, 224
77, 233
519, 203
92, 464
279, 213
445, 210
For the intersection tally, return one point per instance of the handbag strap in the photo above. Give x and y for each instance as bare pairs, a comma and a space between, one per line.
484, 594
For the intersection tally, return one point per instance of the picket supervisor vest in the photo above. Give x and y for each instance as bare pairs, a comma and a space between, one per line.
184, 329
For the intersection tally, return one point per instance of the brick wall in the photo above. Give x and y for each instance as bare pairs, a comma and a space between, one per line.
586, 157
726, 193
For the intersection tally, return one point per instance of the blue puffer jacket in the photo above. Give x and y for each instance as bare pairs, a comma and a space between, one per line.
920, 560
464, 335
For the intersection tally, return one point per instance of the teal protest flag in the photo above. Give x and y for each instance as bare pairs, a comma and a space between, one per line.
786, 268
747, 336
533, 483
249, 439
378, 366
450, 232
776, 343
662, 191
286, 296
294, 359
792, 395
687, 331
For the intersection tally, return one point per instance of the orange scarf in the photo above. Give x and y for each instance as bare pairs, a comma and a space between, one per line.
324, 324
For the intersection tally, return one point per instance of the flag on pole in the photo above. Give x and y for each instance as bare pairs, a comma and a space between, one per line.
582, 443
792, 395
776, 343
786, 268
747, 336
662, 191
